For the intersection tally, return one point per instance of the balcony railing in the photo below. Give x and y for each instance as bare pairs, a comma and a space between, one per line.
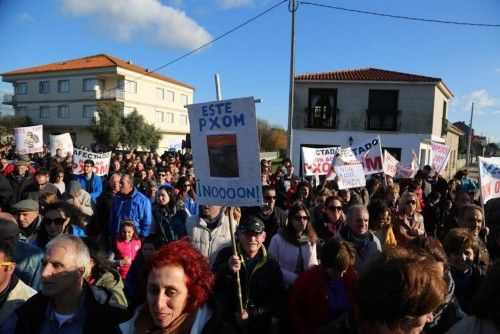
9, 99
110, 94
383, 121
321, 118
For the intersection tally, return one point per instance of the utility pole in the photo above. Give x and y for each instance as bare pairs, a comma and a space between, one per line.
292, 83
218, 94
469, 158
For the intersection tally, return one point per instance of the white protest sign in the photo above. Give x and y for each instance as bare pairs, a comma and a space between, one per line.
439, 156
349, 170
29, 139
226, 152
175, 145
369, 152
390, 164
489, 175
63, 142
317, 161
101, 161
405, 171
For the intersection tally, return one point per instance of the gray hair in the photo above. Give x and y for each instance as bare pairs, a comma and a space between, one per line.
353, 209
77, 247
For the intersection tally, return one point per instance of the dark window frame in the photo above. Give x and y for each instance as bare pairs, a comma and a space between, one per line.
322, 111
382, 113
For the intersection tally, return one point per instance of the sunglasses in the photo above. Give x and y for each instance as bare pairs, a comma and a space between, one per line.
162, 174
57, 221
332, 208
269, 197
303, 218
413, 202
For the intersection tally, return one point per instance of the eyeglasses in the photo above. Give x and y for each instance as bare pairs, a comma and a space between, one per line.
411, 201
332, 208
303, 218
57, 221
6, 264
269, 197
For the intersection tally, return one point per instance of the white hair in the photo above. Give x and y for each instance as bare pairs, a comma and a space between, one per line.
355, 208
77, 247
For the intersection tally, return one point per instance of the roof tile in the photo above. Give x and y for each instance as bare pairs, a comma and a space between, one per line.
366, 74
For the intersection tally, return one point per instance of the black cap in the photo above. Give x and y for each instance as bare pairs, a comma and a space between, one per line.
252, 224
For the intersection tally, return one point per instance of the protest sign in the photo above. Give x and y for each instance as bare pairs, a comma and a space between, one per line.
29, 139
226, 152
63, 142
369, 152
349, 170
405, 171
390, 164
439, 156
175, 145
317, 161
101, 161
489, 176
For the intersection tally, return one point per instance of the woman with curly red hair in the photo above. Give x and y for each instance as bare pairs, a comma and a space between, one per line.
178, 286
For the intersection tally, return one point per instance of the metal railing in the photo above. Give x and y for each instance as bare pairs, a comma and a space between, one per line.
111, 94
9, 99
321, 118
383, 121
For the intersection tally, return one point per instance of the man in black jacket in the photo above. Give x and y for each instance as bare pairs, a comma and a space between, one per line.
67, 303
262, 284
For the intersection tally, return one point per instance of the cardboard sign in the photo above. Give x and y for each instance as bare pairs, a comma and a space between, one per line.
29, 139
63, 142
390, 164
369, 152
439, 156
317, 161
226, 152
349, 170
489, 175
101, 161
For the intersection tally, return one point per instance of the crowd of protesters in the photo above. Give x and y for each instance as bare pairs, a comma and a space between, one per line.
133, 252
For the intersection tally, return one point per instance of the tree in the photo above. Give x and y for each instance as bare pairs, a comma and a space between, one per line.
271, 137
111, 129
9, 122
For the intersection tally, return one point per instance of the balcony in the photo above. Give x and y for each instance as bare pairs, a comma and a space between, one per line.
113, 94
9, 99
321, 118
383, 121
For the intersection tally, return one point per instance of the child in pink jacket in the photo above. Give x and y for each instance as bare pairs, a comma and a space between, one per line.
127, 245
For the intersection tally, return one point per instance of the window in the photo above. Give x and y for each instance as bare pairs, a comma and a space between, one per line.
382, 113
184, 99
183, 119
63, 111
159, 116
169, 117
22, 89
89, 111
89, 85
444, 121
170, 96
22, 111
127, 111
44, 87
127, 86
322, 110
160, 93
63, 86
44, 112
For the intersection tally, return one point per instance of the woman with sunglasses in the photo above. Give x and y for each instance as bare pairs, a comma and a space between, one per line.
331, 221
408, 222
186, 196
294, 246
58, 218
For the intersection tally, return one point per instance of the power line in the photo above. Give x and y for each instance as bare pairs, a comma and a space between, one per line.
189, 53
401, 17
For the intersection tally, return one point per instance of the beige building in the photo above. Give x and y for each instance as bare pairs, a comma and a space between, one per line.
64, 96
452, 139
345, 108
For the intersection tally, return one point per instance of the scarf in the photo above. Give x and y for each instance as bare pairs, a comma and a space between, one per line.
297, 240
181, 325
360, 242
449, 296
335, 227
212, 223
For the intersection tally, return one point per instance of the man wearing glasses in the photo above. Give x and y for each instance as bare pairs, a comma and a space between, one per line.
13, 291
89, 181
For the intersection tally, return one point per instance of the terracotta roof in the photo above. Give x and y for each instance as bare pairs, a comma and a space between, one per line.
90, 62
366, 74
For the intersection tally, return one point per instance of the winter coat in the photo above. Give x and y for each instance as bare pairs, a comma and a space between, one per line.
16, 297
136, 207
92, 186
112, 282
287, 255
18, 186
474, 325
170, 226
401, 226
125, 249
29, 264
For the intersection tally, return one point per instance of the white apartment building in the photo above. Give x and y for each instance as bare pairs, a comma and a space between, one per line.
64, 96
344, 107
